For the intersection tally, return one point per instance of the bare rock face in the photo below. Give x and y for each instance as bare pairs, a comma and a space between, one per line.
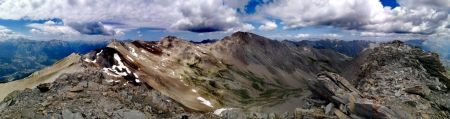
397, 74
338, 90
333, 87
396, 81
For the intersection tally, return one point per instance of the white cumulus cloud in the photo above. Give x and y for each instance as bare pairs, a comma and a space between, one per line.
331, 35
268, 25
303, 13
302, 35
373, 34
438, 4
52, 28
239, 4
190, 15
7, 34
206, 16
364, 15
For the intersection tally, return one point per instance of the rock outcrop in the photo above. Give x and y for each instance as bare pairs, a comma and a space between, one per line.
350, 102
407, 78
395, 81
88, 95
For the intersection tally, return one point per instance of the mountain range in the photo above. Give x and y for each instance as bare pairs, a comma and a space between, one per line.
349, 48
21, 57
243, 75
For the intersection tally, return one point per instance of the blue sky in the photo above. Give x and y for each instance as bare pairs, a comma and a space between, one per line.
214, 19
390, 3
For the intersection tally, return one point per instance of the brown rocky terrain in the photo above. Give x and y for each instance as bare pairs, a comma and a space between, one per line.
395, 81
88, 95
241, 76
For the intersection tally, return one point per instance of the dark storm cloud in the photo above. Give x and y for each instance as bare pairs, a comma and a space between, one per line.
95, 28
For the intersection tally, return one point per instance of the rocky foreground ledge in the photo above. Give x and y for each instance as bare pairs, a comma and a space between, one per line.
395, 81
88, 95
345, 101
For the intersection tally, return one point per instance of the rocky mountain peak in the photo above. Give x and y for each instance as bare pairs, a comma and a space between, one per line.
396, 43
246, 38
242, 34
172, 41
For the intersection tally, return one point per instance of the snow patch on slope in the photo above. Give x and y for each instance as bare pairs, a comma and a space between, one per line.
93, 61
219, 112
204, 101
99, 53
120, 66
120, 70
90, 61
130, 58
111, 80
108, 72
133, 52
137, 78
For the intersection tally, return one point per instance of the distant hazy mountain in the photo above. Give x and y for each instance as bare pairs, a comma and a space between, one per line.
349, 48
21, 57
353, 48
444, 52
